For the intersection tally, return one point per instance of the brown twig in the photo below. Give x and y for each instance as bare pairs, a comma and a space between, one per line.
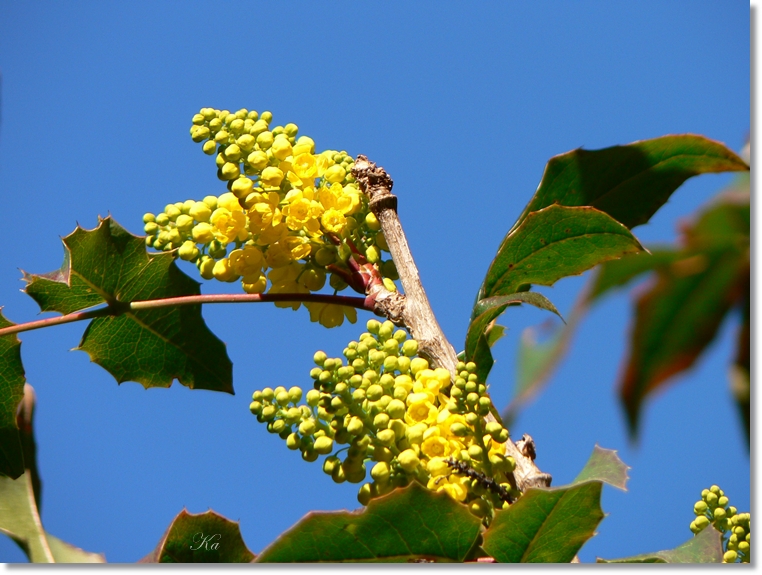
413, 309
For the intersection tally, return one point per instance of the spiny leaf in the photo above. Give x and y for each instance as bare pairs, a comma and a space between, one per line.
676, 319
201, 538
485, 312
108, 265
545, 525
604, 465
706, 547
554, 243
405, 525
631, 182
11, 392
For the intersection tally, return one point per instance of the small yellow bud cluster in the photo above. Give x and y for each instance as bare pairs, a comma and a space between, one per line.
289, 222
713, 508
401, 420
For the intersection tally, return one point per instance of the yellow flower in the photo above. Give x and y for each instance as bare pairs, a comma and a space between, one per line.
455, 486
265, 213
247, 262
284, 281
286, 250
431, 380
301, 212
251, 285
333, 221
333, 197
420, 409
436, 466
324, 160
228, 226
331, 315
435, 446
304, 167
203, 233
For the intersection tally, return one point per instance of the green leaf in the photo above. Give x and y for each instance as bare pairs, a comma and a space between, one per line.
20, 520
706, 547
676, 319
631, 182
201, 538
151, 346
405, 525
554, 243
20, 502
11, 393
484, 314
545, 525
604, 465
65, 553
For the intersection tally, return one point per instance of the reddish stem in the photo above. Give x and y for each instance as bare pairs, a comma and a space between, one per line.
356, 302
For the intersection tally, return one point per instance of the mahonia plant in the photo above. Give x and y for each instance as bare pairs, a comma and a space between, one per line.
714, 508
392, 411
291, 219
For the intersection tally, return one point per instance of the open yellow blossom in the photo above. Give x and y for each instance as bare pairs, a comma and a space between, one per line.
435, 446
284, 281
331, 315
302, 213
333, 197
431, 380
333, 221
454, 485
265, 213
272, 234
287, 250
420, 409
247, 261
229, 226
304, 167
323, 161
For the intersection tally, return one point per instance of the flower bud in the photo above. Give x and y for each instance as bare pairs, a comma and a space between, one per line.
307, 427
381, 421
281, 147
319, 358
355, 426
475, 452
700, 507
265, 140
323, 445
385, 436
271, 176
730, 557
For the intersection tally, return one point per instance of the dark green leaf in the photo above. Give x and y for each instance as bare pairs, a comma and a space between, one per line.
630, 183
485, 312
405, 525
675, 320
554, 243
201, 538
604, 465
706, 547
545, 525
11, 392
152, 346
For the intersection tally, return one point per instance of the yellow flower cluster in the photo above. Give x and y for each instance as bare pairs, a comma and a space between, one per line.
392, 410
290, 219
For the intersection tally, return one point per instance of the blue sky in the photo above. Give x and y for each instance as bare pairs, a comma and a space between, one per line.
463, 104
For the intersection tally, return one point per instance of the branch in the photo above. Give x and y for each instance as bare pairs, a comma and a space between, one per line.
120, 308
414, 310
